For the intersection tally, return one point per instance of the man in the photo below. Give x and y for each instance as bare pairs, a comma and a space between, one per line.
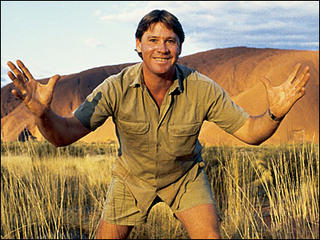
158, 107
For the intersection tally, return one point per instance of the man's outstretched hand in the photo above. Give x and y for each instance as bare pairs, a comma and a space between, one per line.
35, 95
283, 97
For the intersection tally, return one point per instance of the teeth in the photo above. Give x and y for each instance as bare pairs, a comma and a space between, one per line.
161, 59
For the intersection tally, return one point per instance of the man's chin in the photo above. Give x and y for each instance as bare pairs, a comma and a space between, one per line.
163, 69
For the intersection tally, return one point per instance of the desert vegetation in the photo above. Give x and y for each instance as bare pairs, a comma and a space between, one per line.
261, 192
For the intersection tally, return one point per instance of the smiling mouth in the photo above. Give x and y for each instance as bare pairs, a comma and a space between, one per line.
159, 59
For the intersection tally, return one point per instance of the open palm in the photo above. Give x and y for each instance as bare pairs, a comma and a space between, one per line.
35, 95
283, 97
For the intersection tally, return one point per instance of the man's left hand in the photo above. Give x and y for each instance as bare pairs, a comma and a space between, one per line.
283, 97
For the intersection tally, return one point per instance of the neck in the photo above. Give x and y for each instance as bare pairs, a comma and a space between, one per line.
157, 83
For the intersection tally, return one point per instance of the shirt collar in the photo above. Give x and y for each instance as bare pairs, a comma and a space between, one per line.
177, 86
180, 78
138, 76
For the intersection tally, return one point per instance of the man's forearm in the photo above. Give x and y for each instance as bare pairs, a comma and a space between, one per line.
58, 130
257, 129
263, 127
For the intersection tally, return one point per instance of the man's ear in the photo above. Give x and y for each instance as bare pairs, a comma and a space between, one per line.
138, 45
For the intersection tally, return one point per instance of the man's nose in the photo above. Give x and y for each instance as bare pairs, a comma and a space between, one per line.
162, 47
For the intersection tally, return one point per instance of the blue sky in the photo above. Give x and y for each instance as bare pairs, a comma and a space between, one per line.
71, 36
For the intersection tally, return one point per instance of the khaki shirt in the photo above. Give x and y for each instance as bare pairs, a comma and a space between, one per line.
159, 147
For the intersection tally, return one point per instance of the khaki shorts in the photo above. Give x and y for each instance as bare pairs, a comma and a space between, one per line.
120, 206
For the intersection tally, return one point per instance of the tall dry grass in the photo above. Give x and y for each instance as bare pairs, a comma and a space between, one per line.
267, 192
52, 193
261, 192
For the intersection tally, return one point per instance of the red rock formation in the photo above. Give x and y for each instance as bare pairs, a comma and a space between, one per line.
237, 70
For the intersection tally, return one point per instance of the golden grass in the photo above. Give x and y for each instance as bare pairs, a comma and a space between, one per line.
40, 198
261, 192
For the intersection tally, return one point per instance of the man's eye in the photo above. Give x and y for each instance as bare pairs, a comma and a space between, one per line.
172, 41
152, 40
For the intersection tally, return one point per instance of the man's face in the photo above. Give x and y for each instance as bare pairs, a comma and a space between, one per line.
160, 48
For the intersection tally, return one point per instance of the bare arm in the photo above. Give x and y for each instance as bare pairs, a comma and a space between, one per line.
281, 99
257, 129
58, 130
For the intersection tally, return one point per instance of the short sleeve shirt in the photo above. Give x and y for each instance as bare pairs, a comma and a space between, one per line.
158, 146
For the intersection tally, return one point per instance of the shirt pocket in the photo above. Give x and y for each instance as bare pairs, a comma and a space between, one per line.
134, 135
183, 138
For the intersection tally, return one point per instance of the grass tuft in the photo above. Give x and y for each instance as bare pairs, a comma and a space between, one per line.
261, 192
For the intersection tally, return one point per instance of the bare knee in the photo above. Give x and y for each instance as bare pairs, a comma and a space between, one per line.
112, 231
201, 222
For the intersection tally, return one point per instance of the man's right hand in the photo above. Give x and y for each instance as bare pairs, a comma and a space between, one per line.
35, 95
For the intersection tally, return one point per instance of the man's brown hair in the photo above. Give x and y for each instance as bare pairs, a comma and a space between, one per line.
164, 17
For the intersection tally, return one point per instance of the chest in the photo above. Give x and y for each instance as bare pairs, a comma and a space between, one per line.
160, 109
158, 97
